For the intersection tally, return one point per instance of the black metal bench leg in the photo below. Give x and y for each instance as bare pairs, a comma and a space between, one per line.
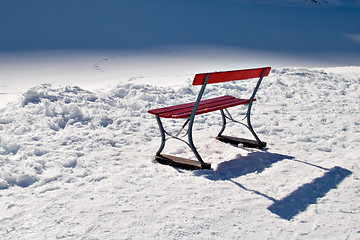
178, 161
257, 143
192, 146
260, 143
163, 139
224, 122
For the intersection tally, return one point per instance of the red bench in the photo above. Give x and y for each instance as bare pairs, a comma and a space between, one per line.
190, 110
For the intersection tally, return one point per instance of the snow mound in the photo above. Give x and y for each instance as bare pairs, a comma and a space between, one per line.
52, 127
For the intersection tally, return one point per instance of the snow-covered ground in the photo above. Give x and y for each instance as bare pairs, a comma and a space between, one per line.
77, 143
78, 164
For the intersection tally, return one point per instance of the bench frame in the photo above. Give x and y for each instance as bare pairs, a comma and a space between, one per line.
199, 79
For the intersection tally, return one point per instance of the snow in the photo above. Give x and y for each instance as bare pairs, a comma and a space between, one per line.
77, 143
78, 163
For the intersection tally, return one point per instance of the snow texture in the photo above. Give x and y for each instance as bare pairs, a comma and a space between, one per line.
77, 164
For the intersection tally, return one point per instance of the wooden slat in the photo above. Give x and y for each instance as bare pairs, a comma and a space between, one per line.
159, 111
205, 106
179, 162
245, 142
217, 77
202, 105
213, 108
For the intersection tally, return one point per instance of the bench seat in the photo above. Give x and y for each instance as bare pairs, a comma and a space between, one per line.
205, 106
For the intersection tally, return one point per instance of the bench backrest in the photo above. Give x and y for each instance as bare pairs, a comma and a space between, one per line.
217, 77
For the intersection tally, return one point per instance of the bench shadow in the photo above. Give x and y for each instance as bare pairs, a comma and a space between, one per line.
294, 203
307, 194
254, 162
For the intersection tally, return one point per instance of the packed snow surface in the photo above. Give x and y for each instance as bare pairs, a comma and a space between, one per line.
78, 164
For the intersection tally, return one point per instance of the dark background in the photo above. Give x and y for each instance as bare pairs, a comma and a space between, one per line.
143, 24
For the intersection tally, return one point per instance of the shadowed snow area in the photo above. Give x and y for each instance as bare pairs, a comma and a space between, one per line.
295, 27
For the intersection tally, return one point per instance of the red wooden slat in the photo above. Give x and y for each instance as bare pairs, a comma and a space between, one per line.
210, 103
205, 106
217, 77
186, 105
213, 108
